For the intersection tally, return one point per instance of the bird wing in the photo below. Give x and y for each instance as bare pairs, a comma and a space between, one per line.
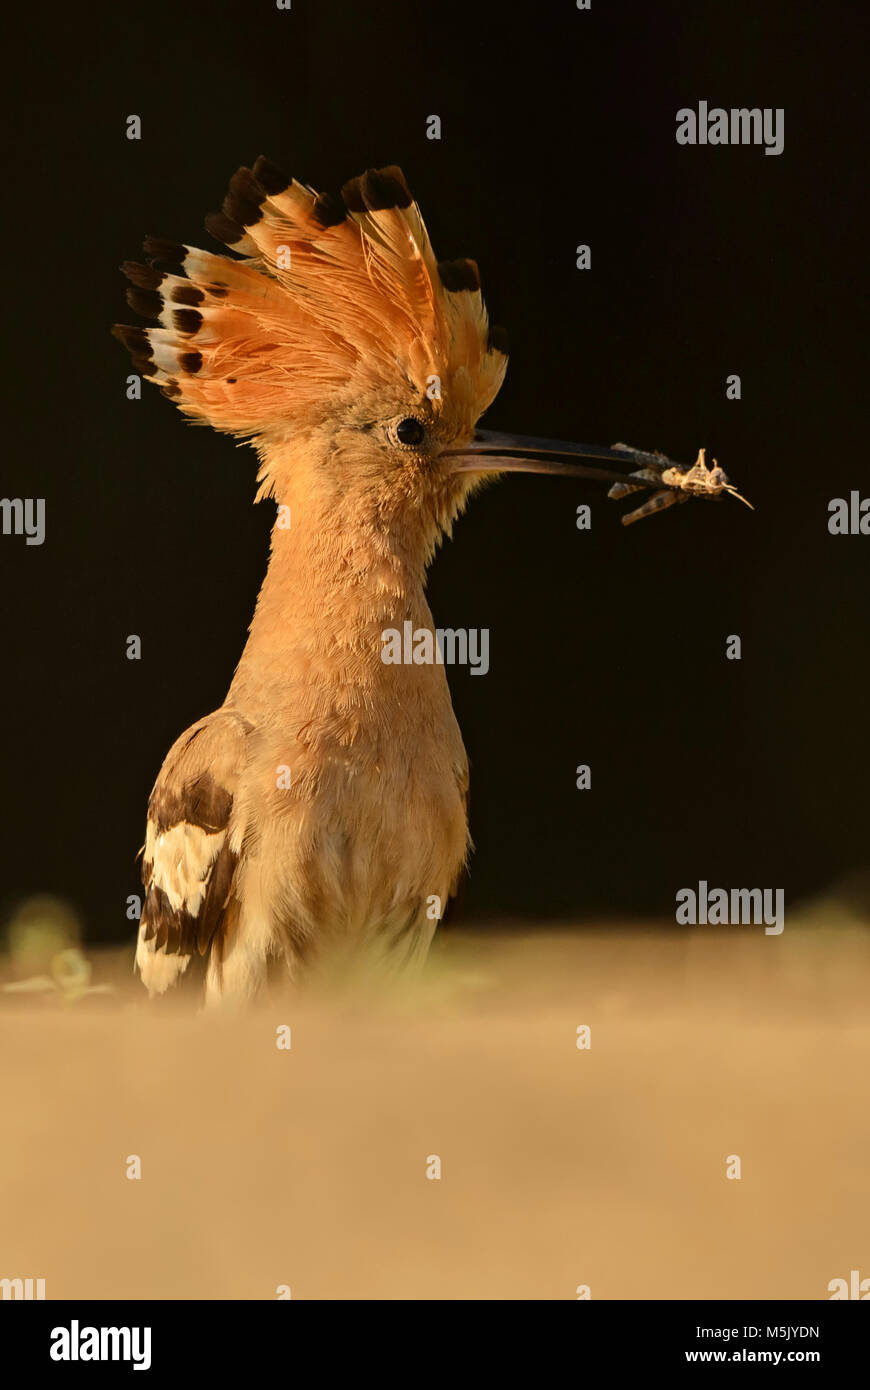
191, 848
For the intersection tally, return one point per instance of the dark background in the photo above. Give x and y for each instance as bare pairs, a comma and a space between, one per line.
607, 647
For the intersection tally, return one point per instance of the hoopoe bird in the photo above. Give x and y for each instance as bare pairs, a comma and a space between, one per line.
323, 807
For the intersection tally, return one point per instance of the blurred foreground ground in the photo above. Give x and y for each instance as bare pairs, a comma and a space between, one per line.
560, 1167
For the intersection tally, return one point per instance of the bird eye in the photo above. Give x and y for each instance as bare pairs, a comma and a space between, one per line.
410, 431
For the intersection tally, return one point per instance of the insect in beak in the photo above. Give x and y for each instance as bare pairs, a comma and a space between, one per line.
685, 483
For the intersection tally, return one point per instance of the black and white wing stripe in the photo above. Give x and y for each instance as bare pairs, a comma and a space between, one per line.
192, 847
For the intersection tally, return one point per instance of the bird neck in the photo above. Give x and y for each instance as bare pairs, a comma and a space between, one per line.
338, 577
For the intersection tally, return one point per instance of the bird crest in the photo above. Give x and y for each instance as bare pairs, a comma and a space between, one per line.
330, 303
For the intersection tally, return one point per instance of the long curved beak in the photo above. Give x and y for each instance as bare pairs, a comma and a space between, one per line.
490, 452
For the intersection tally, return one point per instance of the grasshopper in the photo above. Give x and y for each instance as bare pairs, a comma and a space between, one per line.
682, 483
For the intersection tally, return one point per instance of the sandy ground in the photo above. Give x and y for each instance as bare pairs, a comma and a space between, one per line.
561, 1167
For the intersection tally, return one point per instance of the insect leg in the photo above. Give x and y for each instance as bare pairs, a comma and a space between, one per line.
643, 475
655, 504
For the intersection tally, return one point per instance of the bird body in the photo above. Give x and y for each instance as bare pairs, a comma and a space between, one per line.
349, 799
